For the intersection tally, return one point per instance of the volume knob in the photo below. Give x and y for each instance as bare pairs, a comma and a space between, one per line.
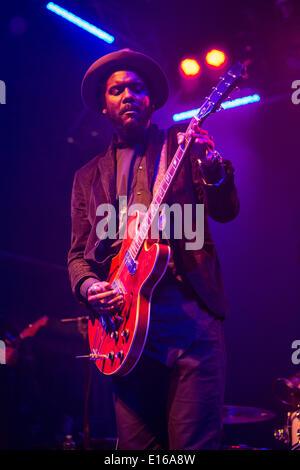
125, 334
120, 355
114, 335
110, 355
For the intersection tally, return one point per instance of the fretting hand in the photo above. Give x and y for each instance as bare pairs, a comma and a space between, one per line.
210, 161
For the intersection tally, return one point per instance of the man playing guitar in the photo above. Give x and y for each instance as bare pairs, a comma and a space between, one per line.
173, 397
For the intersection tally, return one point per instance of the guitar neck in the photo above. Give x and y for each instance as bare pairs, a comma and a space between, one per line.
210, 105
162, 191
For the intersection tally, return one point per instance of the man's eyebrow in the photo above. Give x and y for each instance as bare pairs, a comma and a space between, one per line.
126, 82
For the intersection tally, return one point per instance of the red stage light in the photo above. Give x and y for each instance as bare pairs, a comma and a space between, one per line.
215, 58
190, 67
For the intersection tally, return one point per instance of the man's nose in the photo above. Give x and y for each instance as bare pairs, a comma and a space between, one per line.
128, 95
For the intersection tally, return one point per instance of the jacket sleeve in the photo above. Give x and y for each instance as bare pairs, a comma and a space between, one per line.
221, 201
79, 268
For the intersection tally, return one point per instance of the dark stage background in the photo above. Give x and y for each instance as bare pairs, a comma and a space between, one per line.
46, 135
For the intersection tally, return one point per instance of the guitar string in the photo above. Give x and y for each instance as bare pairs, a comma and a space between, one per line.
101, 339
121, 267
95, 337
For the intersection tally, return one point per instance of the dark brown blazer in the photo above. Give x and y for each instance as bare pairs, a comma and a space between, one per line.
95, 184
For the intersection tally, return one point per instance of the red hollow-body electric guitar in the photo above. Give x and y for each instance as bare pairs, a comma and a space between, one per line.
116, 345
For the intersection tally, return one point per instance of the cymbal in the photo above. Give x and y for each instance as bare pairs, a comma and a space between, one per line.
245, 414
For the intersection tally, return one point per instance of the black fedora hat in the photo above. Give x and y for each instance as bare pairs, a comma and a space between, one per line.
124, 59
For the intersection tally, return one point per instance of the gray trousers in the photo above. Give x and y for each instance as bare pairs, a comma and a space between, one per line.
174, 407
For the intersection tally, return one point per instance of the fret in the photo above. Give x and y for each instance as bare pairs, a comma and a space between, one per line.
171, 171
152, 209
143, 232
133, 251
130, 251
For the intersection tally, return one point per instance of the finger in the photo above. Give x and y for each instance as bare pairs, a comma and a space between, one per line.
115, 300
200, 135
201, 140
102, 303
101, 295
98, 287
198, 129
180, 138
206, 141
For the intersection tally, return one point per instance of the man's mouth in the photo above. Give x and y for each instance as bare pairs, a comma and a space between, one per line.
130, 109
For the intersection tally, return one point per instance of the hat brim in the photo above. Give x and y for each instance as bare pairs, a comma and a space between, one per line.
125, 59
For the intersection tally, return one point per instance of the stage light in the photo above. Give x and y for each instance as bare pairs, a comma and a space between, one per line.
226, 105
215, 58
240, 101
80, 22
190, 67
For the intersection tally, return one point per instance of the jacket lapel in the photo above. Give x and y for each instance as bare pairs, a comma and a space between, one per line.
107, 169
153, 150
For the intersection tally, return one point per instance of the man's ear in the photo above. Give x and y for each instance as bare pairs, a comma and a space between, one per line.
102, 89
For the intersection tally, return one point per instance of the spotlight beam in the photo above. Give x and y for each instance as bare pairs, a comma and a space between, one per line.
80, 22
226, 105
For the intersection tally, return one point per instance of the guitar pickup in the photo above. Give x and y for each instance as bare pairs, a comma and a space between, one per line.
130, 262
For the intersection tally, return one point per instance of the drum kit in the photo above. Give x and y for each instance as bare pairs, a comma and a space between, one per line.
288, 393
244, 415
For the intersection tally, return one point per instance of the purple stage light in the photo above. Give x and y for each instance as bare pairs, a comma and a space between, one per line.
225, 105
80, 22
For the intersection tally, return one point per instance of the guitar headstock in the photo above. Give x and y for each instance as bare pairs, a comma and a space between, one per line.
228, 82
33, 328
